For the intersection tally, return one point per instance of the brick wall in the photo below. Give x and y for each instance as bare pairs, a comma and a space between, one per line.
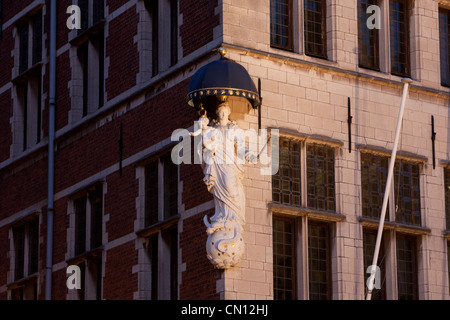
199, 280
119, 204
119, 282
199, 21
122, 52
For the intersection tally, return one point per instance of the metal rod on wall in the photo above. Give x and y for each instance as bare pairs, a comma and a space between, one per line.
433, 140
260, 104
349, 121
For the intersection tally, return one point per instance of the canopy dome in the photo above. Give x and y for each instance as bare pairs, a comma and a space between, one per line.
221, 78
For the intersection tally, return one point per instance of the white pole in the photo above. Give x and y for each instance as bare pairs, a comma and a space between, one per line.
406, 82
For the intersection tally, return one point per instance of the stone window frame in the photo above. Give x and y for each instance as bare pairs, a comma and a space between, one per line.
373, 34
298, 32
90, 43
393, 229
304, 140
300, 216
444, 64
409, 158
413, 54
289, 27
28, 100
26, 286
92, 260
160, 234
168, 51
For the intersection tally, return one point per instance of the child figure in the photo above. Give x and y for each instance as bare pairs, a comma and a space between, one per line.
209, 147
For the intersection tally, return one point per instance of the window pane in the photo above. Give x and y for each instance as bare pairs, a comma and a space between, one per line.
96, 201
37, 37
373, 184
406, 268
173, 32
153, 253
19, 252
84, 7
151, 193
286, 184
369, 240
173, 264
447, 197
98, 11
283, 259
281, 23
315, 28
80, 225
82, 53
320, 177
399, 31
367, 38
407, 193
23, 47
152, 8
444, 44
33, 253
319, 262
448, 262
170, 187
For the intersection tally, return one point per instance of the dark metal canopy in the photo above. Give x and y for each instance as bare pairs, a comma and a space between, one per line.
221, 78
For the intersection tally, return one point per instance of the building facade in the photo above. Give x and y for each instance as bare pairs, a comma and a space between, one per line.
132, 220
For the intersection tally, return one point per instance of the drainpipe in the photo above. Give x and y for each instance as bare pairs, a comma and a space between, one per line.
51, 152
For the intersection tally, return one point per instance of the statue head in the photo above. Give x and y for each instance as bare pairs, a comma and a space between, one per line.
223, 111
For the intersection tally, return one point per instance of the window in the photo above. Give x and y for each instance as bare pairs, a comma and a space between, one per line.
369, 240
286, 183
319, 261
173, 32
406, 268
284, 272
448, 263
1, 20
368, 39
373, 183
90, 55
447, 197
27, 125
444, 44
406, 194
159, 228
30, 32
318, 176
320, 172
281, 24
92, 200
161, 189
399, 37
163, 256
315, 28
289, 277
26, 258
152, 8
164, 33
88, 229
